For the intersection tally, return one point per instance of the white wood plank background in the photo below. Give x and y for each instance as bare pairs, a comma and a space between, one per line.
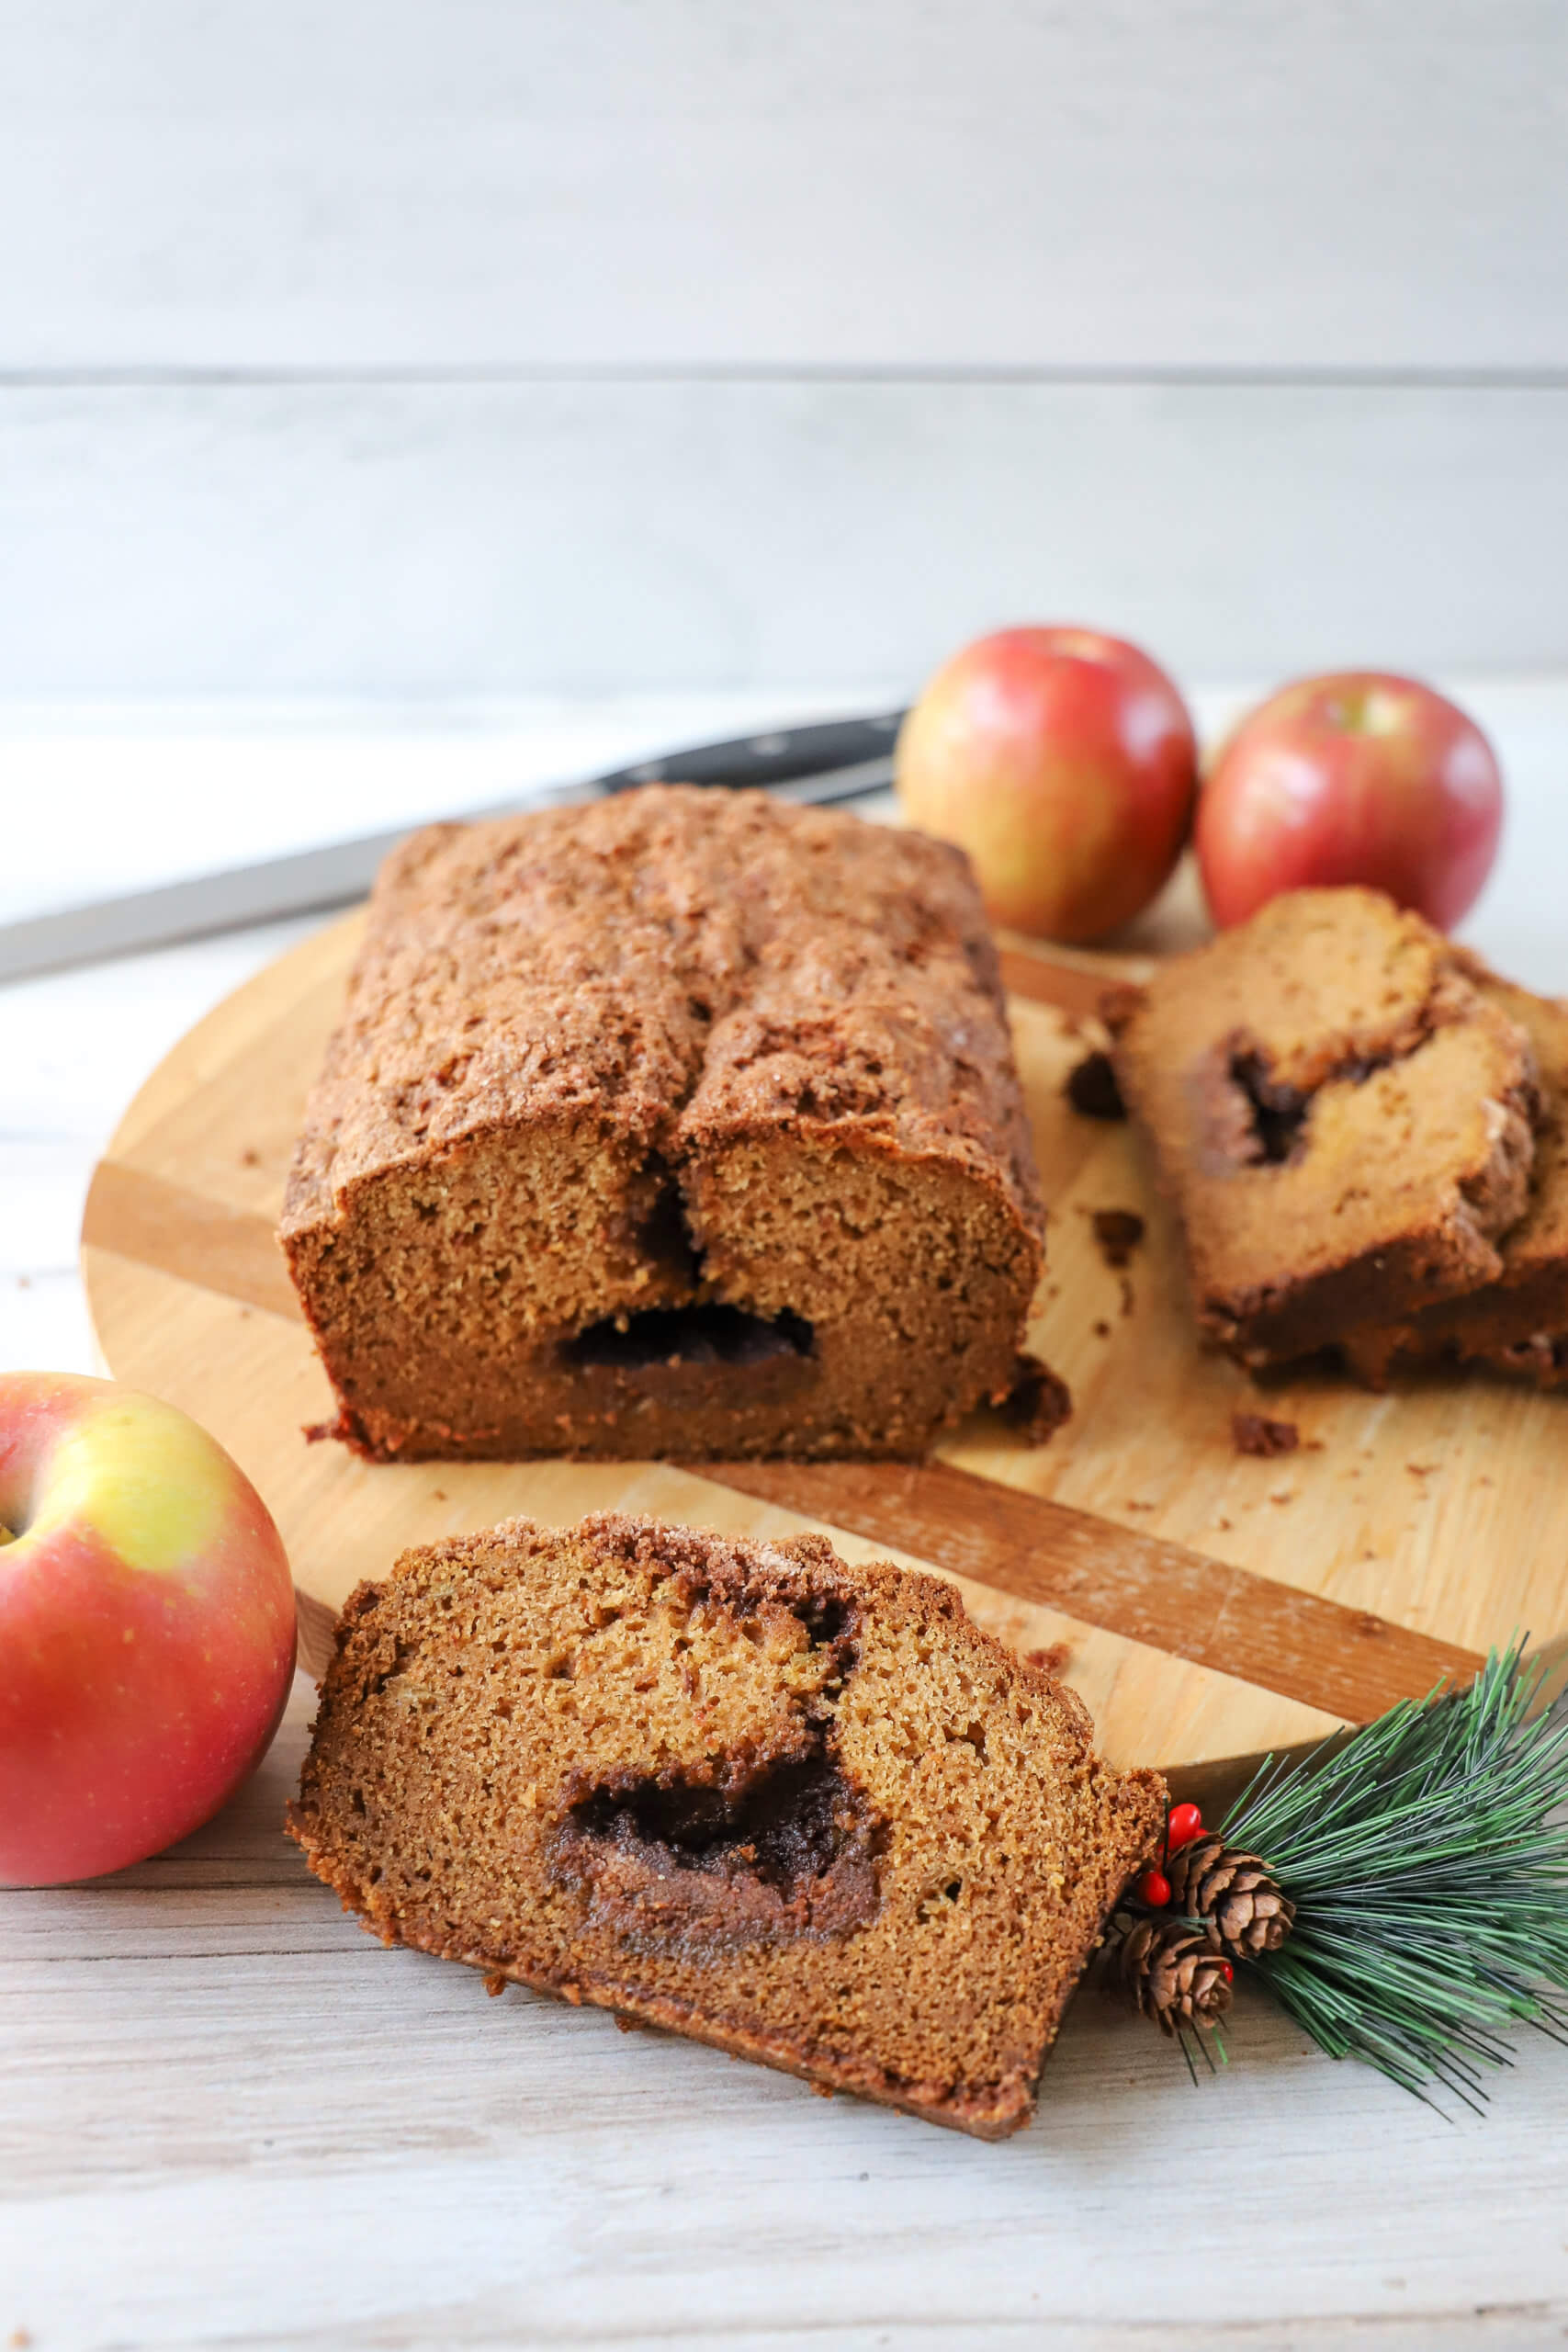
408, 539
1206, 185
502, 346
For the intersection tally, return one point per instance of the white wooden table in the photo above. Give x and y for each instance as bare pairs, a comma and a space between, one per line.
227, 2116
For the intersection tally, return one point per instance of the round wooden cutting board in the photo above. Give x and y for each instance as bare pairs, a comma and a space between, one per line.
1206, 1605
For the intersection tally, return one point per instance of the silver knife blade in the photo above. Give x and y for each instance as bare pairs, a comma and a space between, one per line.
339, 872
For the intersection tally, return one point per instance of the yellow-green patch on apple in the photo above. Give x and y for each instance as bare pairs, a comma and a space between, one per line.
146, 1627
1063, 761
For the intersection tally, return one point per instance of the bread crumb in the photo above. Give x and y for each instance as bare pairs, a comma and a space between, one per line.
1118, 1233
495, 1982
1039, 1402
1055, 1660
1102, 1330
1091, 1088
1256, 1433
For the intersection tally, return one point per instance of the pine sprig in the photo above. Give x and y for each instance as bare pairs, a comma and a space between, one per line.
1427, 1858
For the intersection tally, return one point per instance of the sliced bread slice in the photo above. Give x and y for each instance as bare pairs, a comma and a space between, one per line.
809, 1813
1516, 1325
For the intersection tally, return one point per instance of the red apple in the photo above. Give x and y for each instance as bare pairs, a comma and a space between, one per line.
1065, 763
1362, 777
146, 1627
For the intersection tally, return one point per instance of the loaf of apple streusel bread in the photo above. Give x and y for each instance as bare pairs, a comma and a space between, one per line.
807, 1813
683, 1123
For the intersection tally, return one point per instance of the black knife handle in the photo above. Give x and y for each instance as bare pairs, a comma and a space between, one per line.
773, 758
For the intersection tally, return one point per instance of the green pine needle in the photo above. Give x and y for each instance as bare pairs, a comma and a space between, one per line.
1430, 1880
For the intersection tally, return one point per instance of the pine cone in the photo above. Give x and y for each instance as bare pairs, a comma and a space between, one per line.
1172, 1973
1210, 1880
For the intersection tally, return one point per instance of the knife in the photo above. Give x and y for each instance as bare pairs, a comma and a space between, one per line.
840, 759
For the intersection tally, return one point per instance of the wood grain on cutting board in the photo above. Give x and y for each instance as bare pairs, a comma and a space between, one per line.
1208, 1604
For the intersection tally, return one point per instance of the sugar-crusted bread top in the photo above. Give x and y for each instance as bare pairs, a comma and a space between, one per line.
676, 965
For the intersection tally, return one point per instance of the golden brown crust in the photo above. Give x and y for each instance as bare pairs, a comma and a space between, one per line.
809, 1814
670, 958
678, 1050
1342, 1118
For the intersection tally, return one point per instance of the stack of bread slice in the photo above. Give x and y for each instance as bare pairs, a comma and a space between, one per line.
1517, 1324
1364, 1132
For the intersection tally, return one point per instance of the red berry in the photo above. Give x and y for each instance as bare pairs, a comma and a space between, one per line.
1153, 1888
1230, 1972
1185, 1824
